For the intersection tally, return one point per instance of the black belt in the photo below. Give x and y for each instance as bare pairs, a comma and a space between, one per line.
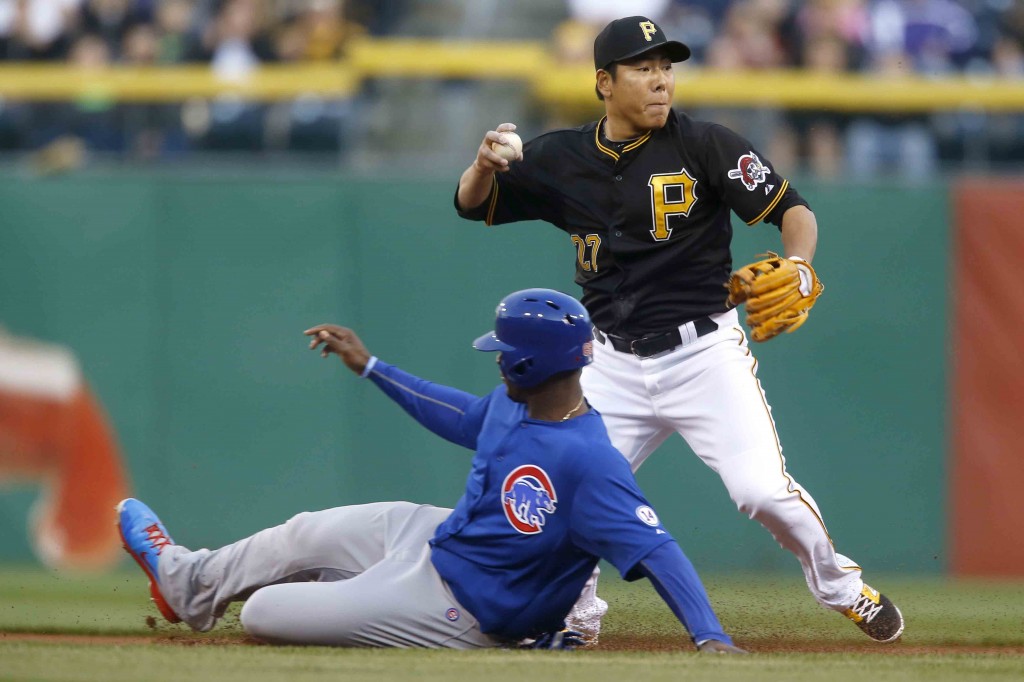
652, 344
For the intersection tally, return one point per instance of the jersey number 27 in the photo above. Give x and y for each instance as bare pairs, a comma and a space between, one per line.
586, 251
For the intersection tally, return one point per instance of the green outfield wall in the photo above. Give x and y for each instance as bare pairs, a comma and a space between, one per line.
185, 300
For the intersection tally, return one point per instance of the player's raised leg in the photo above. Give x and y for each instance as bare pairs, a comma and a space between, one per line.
721, 411
724, 415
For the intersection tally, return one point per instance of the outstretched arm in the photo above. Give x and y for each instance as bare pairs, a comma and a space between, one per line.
799, 233
454, 415
340, 341
612, 520
677, 582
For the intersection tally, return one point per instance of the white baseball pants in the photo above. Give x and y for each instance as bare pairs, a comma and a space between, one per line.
357, 576
707, 391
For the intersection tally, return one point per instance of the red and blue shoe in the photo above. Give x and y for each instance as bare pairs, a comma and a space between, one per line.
145, 538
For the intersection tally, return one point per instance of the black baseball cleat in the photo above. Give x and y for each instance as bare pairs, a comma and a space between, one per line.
876, 615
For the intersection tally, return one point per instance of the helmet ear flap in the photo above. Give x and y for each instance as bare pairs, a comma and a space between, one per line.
521, 368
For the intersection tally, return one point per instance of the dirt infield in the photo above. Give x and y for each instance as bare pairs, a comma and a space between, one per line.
810, 646
620, 643
127, 640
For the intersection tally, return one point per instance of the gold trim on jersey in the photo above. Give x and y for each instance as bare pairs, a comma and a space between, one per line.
791, 485
494, 203
633, 145
628, 148
775, 201
597, 140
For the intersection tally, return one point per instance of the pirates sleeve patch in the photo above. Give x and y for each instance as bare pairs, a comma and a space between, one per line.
750, 171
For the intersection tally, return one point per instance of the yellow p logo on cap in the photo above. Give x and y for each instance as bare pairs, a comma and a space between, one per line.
649, 30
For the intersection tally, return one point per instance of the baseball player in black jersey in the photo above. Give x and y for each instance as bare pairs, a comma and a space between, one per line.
645, 196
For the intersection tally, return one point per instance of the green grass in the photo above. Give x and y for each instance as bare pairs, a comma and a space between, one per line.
248, 664
762, 613
939, 611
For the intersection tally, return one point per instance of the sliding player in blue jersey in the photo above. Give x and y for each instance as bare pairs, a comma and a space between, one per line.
547, 496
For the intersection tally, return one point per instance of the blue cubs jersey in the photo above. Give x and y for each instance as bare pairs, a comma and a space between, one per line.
543, 501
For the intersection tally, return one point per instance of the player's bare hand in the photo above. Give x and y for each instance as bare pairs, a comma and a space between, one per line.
343, 342
487, 160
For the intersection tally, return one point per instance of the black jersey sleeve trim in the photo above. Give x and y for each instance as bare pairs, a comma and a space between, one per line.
778, 197
494, 202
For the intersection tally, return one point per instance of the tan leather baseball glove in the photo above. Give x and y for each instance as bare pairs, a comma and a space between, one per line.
778, 293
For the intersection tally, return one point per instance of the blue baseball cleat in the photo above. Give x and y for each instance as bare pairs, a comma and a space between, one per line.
144, 537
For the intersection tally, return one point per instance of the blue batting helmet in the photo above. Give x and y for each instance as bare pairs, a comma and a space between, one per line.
540, 332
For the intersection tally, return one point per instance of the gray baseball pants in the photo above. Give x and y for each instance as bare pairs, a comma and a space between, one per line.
357, 576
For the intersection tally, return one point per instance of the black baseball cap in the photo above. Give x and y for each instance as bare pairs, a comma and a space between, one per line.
631, 37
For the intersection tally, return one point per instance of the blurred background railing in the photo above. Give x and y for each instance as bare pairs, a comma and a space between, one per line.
841, 89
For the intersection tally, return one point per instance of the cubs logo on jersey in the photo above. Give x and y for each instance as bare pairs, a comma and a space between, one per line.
528, 497
750, 171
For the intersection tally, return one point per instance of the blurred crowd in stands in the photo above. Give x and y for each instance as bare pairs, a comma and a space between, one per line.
234, 37
924, 37
927, 37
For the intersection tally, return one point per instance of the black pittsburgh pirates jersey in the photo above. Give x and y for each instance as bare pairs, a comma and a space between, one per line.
648, 218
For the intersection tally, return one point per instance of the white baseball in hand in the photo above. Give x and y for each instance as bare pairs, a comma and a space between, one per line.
511, 150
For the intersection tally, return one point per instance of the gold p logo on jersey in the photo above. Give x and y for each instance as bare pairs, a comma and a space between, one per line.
649, 30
